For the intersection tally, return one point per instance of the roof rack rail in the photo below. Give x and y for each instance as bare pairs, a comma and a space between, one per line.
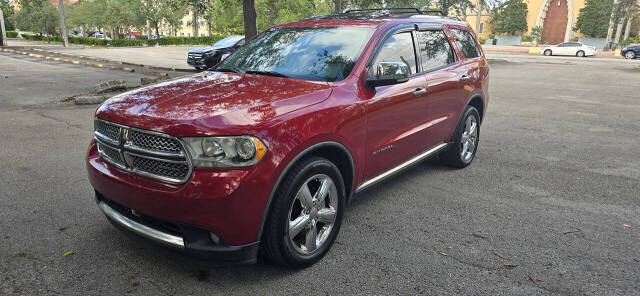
438, 11
404, 9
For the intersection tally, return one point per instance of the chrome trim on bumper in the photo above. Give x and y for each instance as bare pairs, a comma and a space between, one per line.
143, 230
402, 166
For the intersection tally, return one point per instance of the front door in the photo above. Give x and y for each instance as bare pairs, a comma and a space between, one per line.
395, 113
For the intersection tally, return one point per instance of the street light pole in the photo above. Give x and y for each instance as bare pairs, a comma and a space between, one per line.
63, 27
2, 31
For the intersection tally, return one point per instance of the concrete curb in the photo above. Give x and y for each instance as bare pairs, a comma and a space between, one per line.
90, 64
90, 99
155, 73
132, 64
126, 69
162, 68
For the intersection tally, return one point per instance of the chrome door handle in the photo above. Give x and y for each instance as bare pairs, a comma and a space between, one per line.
465, 78
420, 91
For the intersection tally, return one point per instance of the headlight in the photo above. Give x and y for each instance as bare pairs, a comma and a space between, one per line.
225, 152
209, 53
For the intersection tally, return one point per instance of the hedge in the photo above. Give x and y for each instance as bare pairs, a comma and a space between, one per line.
631, 40
130, 42
12, 34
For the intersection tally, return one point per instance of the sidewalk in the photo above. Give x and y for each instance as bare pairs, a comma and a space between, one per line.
159, 56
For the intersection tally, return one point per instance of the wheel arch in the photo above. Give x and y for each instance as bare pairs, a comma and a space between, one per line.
477, 102
331, 150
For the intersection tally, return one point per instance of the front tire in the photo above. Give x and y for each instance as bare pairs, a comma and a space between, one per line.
465, 140
630, 55
306, 214
580, 54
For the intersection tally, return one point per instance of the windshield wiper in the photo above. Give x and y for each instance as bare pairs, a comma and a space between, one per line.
267, 73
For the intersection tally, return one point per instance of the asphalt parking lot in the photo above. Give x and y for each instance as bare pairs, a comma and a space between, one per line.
551, 204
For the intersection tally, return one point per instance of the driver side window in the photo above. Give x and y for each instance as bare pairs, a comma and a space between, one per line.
399, 48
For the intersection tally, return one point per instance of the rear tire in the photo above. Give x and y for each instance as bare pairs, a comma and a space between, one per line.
464, 145
548, 52
302, 224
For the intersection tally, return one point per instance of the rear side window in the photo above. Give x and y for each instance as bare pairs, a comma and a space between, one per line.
398, 48
435, 50
466, 43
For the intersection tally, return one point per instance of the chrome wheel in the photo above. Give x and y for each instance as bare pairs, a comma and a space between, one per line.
580, 54
630, 55
312, 214
469, 139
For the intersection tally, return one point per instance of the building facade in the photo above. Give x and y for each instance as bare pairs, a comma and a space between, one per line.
557, 18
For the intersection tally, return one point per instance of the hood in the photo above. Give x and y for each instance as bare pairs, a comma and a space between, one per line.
206, 49
212, 103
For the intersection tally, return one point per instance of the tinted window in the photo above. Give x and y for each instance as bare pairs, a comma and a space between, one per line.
435, 50
309, 53
465, 42
228, 42
399, 48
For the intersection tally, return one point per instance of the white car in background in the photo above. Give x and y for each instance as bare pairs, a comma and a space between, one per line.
569, 49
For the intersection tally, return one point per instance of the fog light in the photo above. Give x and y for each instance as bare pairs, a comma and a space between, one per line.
214, 238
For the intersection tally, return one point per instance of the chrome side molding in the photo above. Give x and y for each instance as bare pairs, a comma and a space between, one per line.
140, 229
401, 167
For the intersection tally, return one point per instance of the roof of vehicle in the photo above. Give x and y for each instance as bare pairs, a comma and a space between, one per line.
375, 17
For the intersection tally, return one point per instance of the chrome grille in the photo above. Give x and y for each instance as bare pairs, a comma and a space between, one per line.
112, 153
150, 154
111, 131
159, 167
153, 142
195, 55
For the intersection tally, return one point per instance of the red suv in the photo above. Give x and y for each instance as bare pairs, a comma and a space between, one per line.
265, 150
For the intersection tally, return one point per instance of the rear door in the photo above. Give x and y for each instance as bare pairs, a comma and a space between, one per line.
466, 74
395, 113
442, 72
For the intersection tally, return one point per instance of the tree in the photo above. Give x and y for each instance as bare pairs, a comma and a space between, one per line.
510, 17
250, 19
593, 19
7, 11
38, 16
537, 34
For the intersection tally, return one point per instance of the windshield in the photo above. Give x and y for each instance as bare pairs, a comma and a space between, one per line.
228, 42
308, 53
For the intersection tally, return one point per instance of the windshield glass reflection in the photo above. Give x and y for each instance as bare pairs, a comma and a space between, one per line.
309, 53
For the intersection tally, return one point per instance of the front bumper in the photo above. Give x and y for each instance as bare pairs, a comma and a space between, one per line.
195, 243
228, 203
197, 62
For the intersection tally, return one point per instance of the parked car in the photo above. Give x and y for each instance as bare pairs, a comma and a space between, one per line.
99, 35
205, 57
570, 49
265, 150
631, 51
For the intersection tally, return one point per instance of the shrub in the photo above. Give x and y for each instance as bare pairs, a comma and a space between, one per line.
527, 38
482, 40
631, 40
12, 34
130, 42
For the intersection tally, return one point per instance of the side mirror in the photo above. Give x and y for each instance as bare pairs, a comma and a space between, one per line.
388, 73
